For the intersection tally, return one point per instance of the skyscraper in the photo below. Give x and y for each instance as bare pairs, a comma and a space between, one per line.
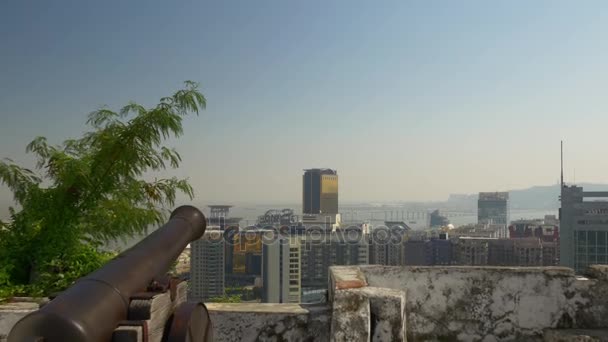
493, 208
207, 266
583, 228
583, 225
320, 191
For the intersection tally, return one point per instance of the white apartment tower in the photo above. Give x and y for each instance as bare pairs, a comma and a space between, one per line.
207, 266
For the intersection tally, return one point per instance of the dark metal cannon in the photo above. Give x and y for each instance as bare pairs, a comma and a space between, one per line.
92, 308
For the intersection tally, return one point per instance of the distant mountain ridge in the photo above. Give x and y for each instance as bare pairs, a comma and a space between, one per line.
536, 197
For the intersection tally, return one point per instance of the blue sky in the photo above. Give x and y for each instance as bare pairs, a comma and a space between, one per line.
408, 100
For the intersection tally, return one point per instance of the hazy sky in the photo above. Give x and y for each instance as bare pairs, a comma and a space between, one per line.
408, 100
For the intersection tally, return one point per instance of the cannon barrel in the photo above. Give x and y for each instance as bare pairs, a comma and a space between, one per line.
91, 308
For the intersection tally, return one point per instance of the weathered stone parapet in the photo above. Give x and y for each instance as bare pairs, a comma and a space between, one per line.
599, 272
269, 322
494, 303
351, 317
345, 277
364, 313
388, 313
575, 335
395, 303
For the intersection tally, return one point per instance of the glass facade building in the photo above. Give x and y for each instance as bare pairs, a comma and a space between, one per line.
320, 191
493, 208
583, 227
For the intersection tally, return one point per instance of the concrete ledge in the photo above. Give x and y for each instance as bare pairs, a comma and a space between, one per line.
260, 308
347, 277
554, 271
12, 312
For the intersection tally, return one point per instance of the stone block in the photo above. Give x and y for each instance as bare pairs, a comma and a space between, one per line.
249, 322
345, 277
387, 306
351, 317
599, 272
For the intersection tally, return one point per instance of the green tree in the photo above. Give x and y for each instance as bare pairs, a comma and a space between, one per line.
88, 191
226, 299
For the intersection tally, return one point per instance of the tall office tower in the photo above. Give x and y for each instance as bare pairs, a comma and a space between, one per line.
207, 266
320, 192
219, 217
493, 208
583, 228
281, 271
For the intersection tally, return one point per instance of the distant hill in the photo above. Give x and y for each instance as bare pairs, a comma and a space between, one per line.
536, 197
544, 197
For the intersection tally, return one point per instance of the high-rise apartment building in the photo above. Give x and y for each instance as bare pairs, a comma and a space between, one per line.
503, 252
493, 208
320, 192
417, 253
322, 249
207, 266
472, 251
386, 245
281, 271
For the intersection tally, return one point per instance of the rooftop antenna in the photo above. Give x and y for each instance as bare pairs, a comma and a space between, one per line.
562, 162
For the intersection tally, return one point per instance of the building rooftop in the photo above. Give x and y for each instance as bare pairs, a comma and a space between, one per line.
323, 171
220, 206
493, 196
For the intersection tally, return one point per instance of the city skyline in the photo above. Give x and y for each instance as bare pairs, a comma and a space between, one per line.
428, 98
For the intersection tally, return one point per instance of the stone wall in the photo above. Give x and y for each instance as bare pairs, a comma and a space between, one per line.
399, 303
269, 322
494, 303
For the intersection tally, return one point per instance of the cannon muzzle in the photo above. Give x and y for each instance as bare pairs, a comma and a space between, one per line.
91, 309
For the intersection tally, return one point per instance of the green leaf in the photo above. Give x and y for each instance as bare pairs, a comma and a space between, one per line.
93, 192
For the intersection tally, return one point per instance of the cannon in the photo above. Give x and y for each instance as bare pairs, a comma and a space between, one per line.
92, 308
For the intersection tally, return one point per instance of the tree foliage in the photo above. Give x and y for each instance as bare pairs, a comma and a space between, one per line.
226, 299
90, 190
